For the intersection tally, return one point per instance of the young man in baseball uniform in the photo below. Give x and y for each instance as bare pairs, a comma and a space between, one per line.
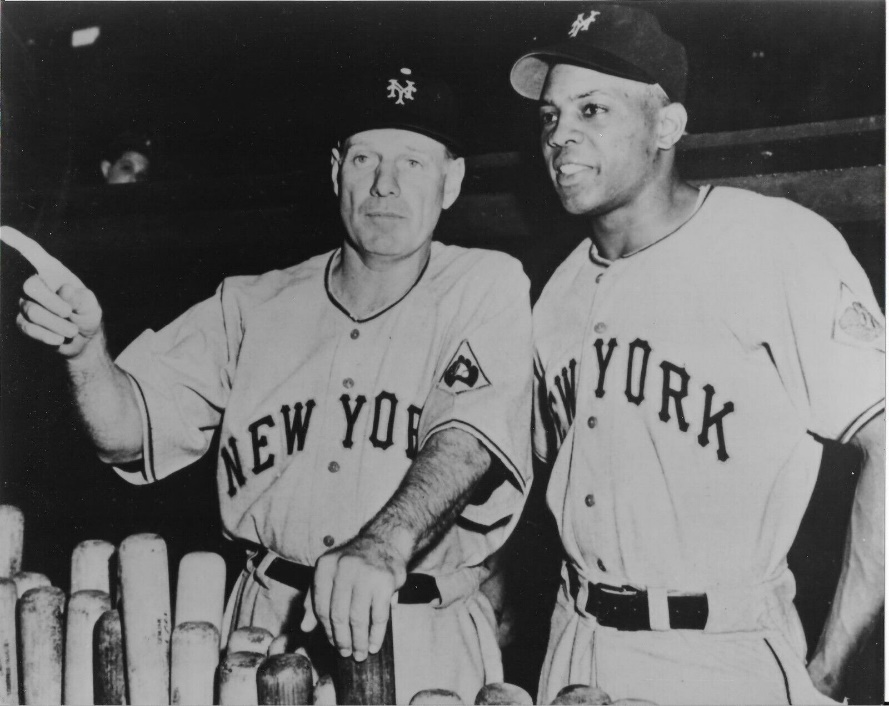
689, 355
373, 405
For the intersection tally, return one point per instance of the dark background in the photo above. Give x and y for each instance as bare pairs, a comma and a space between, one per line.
239, 96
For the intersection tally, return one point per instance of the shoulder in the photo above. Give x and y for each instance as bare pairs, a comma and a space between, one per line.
772, 222
254, 290
453, 266
563, 283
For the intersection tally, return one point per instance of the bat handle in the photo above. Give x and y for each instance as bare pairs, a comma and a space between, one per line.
371, 681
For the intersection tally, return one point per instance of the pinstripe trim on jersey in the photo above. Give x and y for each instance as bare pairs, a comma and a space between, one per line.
781, 667
485, 439
148, 446
703, 194
381, 311
861, 420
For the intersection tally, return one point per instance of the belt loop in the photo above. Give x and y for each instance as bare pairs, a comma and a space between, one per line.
658, 610
267, 557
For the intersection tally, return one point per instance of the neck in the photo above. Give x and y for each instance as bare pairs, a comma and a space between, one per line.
366, 283
653, 214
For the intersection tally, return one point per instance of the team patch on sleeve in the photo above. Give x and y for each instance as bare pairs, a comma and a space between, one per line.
855, 325
463, 373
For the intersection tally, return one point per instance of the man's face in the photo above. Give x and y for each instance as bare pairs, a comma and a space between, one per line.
131, 167
393, 185
599, 137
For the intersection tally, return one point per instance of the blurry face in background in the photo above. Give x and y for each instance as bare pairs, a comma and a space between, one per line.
131, 167
393, 185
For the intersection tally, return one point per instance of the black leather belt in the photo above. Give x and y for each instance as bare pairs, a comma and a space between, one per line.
418, 588
626, 608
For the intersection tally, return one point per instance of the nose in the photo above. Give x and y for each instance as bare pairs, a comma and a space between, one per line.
565, 132
385, 181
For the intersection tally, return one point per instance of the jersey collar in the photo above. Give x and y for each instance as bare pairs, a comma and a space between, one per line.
334, 256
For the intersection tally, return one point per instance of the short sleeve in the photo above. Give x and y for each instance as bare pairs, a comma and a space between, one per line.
482, 382
181, 376
835, 341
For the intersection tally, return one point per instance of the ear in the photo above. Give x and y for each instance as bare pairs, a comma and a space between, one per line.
335, 161
672, 119
105, 166
455, 171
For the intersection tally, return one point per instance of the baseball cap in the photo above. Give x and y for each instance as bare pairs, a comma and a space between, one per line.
614, 39
403, 98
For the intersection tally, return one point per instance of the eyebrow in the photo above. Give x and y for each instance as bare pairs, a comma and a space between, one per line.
575, 97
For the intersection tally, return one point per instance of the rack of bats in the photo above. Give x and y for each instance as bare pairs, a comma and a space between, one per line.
111, 641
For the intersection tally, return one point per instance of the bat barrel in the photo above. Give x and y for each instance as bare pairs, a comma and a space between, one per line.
109, 670
40, 613
285, 679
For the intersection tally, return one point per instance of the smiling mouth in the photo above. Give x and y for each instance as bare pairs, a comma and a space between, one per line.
570, 172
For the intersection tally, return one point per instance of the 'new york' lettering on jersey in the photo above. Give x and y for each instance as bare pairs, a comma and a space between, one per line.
319, 415
682, 389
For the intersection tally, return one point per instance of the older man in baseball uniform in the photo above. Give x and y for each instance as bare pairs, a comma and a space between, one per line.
373, 405
689, 355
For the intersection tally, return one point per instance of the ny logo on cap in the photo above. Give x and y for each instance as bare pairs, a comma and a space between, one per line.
581, 24
396, 90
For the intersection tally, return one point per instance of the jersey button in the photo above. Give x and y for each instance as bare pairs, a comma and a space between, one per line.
333, 466
591, 422
599, 563
328, 541
600, 327
355, 333
348, 382
599, 277
589, 500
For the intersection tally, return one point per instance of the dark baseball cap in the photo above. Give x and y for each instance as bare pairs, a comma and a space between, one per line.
406, 99
614, 39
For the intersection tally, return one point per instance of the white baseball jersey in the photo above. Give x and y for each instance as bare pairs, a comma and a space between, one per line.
320, 415
680, 390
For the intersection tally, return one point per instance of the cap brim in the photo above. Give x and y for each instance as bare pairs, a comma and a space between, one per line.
528, 74
452, 143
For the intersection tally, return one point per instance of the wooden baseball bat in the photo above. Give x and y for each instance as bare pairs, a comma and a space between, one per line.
193, 662
502, 693
12, 538
237, 679
26, 580
430, 697
109, 670
91, 566
84, 610
285, 679
371, 681
145, 586
581, 694
40, 613
250, 639
325, 692
9, 661
200, 589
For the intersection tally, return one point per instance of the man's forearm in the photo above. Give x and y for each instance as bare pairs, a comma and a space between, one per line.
859, 596
106, 403
432, 495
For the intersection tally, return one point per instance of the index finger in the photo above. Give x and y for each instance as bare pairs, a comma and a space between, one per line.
322, 588
36, 289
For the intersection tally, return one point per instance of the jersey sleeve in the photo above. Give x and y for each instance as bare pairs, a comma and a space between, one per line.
833, 347
181, 376
483, 384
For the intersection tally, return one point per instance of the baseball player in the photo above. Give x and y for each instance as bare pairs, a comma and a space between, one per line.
689, 355
373, 405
